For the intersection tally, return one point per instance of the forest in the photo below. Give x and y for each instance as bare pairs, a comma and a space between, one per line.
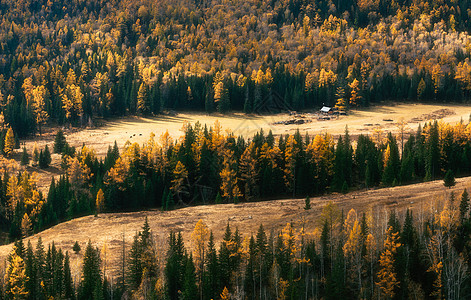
71, 62
212, 166
421, 255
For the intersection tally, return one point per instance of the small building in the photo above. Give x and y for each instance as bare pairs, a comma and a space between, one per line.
326, 110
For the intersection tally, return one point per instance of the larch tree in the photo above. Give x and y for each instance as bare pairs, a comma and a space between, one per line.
26, 226
387, 274
341, 102
179, 181
15, 278
229, 181
39, 106
9, 144
142, 99
248, 172
100, 201
199, 237
355, 96
291, 152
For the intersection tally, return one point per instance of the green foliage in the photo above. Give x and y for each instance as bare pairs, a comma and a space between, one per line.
76, 247
307, 203
91, 283
60, 143
44, 158
24, 157
449, 179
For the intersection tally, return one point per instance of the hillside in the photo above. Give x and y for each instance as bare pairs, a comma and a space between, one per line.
151, 57
109, 228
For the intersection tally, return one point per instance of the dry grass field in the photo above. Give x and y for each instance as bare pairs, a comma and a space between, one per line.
109, 228
137, 129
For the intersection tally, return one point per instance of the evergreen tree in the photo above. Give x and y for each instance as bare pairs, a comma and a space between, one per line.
211, 279
391, 162
432, 155
175, 266
68, 281
91, 281
190, 290
76, 247
134, 264
24, 157
59, 142
307, 203
449, 179
464, 206
44, 158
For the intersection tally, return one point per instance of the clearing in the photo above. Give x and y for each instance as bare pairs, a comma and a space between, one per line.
109, 228
137, 129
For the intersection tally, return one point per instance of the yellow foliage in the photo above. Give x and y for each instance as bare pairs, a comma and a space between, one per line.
100, 201
9, 142
180, 175
15, 278
225, 294
199, 238
387, 276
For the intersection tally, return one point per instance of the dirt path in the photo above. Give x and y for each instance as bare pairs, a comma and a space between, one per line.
109, 228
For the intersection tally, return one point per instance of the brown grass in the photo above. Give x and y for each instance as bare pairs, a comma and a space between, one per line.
137, 129
109, 228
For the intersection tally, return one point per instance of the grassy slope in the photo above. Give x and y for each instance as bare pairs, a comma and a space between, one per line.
109, 228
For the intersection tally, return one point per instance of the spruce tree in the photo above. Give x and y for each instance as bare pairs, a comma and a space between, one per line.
24, 157
68, 281
134, 265
91, 283
76, 247
307, 203
175, 266
211, 279
59, 142
190, 290
464, 206
449, 179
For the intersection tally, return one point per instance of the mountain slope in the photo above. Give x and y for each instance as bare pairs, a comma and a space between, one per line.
109, 228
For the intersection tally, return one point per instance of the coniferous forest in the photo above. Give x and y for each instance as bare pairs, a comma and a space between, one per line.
68, 62
74, 63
